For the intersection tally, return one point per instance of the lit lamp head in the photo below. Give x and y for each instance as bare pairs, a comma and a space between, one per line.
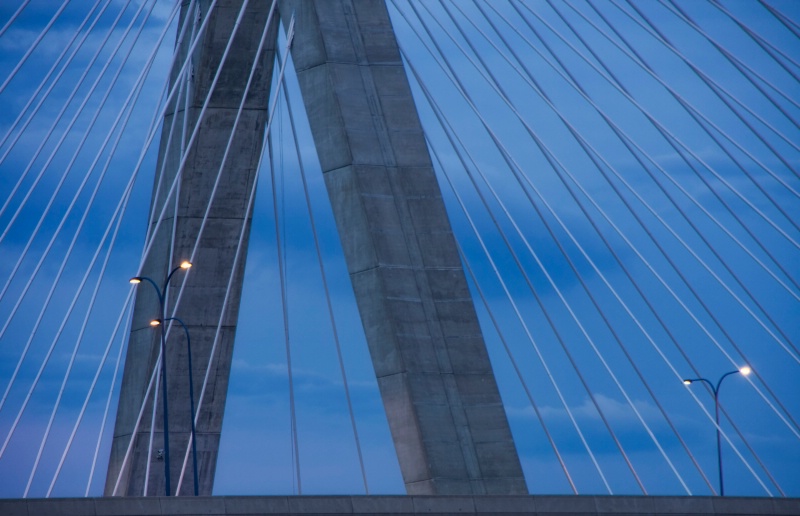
745, 370
135, 281
186, 264
155, 322
687, 382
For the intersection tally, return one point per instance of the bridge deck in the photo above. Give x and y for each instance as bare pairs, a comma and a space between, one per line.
401, 505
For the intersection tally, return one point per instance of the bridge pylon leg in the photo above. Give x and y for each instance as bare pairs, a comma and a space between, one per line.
206, 283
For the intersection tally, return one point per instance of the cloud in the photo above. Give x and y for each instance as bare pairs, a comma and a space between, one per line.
614, 410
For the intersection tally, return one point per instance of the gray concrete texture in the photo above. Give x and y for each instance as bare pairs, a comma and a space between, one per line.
444, 410
445, 413
404, 506
200, 306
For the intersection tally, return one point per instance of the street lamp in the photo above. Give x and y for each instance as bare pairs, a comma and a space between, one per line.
161, 292
156, 322
715, 389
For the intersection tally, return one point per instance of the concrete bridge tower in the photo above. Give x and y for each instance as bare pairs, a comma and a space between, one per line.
441, 399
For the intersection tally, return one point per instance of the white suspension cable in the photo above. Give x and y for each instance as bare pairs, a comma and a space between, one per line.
697, 116
56, 121
747, 71
63, 264
793, 427
125, 308
225, 155
519, 232
575, 270
151, 239
117, 213
121, 208
654, 120
281, 252
510, 355
793, 352
599, 272
228, 147
514, 364
535, 256
83, 328
195, 14
640, 256
787, 22
34, 44
588, 147
14, 16
286, 335
187, 87
237, 256
68, 169
186, 154
717, 88
781, 343
159, 114
629, 141
49, 74
151, 133
563, 299
511, 300
131, 99
183, 86
183, 91
135, 429
122, 347
195, 131
765, 45
326, 289
521, 320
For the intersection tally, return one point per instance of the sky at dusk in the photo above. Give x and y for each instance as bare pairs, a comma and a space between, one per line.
622, 177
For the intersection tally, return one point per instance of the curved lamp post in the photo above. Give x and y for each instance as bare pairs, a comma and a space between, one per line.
161, 292
715, 389
157, 322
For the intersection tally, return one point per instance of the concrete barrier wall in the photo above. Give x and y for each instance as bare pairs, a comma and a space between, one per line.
401, 505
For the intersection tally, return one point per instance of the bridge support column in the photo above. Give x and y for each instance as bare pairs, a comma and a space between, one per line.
201, 304
441, 399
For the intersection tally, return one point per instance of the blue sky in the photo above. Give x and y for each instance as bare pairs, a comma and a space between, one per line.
633, 221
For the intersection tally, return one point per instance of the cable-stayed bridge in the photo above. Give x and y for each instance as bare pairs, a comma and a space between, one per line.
620, 178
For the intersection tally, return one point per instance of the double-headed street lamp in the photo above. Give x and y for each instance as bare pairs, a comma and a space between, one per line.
715, 389
161, 292
157, 322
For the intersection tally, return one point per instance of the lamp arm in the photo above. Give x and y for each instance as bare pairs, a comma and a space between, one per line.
155, 286
725, 376
185, 328
713, 388
169, 277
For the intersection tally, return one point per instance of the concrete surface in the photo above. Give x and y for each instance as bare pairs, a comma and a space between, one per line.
444, 410
403, 505
201, 304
